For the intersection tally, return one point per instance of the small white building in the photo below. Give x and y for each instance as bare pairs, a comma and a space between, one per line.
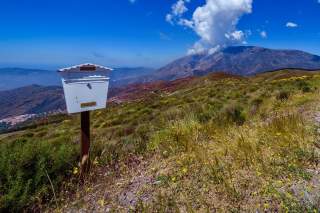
85, 87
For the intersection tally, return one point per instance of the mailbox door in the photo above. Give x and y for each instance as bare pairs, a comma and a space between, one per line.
85, 96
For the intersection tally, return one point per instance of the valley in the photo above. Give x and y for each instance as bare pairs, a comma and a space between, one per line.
213, 143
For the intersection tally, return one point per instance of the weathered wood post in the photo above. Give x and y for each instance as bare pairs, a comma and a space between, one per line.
85, 142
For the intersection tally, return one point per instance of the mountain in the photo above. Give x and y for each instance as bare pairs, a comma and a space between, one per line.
124, 76
233, 60
32, 99
12, 78
240, 60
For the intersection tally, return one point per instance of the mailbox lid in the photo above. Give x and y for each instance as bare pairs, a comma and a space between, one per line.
84, 71
88, 67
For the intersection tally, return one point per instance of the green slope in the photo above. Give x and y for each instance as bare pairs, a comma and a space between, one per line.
213, 143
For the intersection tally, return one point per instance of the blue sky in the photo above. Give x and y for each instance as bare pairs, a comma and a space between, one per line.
52, 34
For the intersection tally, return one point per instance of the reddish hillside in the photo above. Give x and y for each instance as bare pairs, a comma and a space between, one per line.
139, 91
37, 99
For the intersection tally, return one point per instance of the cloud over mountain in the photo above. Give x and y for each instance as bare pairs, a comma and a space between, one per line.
215, 22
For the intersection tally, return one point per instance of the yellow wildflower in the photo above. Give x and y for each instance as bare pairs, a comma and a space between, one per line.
75, 170
184, 170
101, 202
95, 162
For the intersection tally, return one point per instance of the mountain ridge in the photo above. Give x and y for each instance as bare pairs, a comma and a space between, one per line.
240, 60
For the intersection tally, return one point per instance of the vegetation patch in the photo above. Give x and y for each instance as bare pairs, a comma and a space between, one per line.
218, 143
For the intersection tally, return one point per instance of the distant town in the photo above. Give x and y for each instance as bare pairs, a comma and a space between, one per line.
11, 122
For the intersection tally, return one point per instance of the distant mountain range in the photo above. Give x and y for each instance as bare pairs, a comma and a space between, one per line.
11, 78
240, 60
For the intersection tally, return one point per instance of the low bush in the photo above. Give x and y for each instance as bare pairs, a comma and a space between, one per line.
235, 114
257, 102
26, 166
283, 95
306, 89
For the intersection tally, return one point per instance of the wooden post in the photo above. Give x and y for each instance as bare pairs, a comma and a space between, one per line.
85, 143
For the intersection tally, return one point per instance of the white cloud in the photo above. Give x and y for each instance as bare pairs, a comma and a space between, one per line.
235, 36
185, 22
169, 18
291, 25
177, 10
215, 23
264, 34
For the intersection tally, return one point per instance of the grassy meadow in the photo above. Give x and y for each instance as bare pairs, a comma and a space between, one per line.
216, 143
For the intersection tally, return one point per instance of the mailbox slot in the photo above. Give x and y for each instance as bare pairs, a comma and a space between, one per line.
85, 81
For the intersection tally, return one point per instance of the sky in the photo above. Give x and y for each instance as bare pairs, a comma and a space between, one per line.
151, 33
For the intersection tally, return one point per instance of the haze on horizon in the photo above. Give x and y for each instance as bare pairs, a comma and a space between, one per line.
44, 34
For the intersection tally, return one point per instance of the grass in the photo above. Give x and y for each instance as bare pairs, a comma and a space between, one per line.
217, 143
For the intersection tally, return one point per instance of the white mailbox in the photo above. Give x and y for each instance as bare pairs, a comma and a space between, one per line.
85, 87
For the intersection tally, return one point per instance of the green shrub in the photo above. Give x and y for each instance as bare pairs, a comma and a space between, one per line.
235, 114
306, 89
283, 95
24, 166
304, 86
257, 102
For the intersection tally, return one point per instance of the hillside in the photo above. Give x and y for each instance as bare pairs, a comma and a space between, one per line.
214, 143
35, 98
240, 60
32, 99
